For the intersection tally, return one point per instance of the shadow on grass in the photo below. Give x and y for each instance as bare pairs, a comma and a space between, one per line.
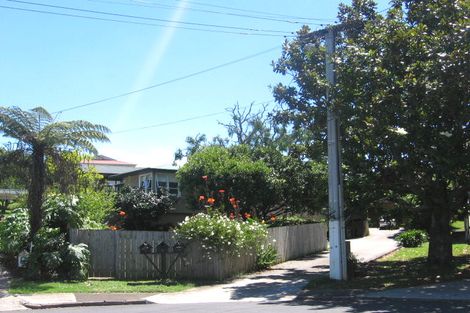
19, 285
384, 275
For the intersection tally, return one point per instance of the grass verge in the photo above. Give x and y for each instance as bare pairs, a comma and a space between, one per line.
20, 286
403, 268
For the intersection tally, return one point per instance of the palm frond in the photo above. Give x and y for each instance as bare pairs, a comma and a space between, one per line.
16, 123
43, 117
78, 135
37, 125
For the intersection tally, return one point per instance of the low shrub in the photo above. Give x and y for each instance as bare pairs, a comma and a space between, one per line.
53, 257
266, 257
412, 238
14, 232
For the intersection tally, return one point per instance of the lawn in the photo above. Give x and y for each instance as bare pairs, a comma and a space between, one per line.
403, 268
19, 286
458, 225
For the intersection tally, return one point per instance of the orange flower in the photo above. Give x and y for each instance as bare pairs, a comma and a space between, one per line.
221, 191
122, 213
205, 177
112, 227
210, 201
273, 218
232, 201
202, 198
247, 215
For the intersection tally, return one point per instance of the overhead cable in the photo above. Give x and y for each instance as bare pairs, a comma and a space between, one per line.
149, 4
167, 82
182, 120
151, 18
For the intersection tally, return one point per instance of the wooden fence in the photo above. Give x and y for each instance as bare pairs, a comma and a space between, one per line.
116, 253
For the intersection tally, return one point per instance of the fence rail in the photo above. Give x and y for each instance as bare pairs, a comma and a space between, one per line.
116, 253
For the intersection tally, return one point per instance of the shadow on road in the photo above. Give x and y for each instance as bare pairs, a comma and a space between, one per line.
356, 305
276, 286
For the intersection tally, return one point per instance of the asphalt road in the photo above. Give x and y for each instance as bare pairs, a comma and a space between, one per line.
346, 305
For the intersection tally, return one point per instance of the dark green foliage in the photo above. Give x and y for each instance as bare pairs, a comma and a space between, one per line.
14, 164
297, 181
137, 209
412, 238
231, 169
53, 257
402, 97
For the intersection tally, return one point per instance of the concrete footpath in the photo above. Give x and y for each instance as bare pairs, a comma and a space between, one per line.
284, 282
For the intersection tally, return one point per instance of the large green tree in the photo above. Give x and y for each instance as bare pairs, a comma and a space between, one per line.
402, 95
42, 136
300, 182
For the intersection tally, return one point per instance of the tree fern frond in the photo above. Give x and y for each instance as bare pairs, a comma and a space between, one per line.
15, 124
43, 115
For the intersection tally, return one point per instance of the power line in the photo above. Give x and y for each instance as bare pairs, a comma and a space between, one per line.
198, 117
138, 23
168, 7
168, 123
167, 82
254, 11
150, 18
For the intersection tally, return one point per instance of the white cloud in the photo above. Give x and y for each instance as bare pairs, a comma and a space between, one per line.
148, 157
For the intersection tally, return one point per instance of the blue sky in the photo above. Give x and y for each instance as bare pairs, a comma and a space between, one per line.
60, 61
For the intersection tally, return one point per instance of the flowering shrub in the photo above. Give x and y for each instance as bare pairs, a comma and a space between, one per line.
138, 210
218, 233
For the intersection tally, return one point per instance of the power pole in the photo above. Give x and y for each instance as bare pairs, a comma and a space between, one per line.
338, 257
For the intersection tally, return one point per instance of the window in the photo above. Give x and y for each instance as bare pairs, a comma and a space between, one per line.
145, 182
164, 182
173, 188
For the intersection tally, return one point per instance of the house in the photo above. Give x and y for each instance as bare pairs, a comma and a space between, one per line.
108, 167
156, 179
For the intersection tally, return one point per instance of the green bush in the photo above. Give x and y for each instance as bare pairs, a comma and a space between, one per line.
60, 211
14, 232
266, 257
218, 233
53, 257
137, 209
96, 206
412, 238
76, 262
252, 183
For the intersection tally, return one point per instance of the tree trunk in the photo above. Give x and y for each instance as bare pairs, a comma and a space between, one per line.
440, 240
36, 189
